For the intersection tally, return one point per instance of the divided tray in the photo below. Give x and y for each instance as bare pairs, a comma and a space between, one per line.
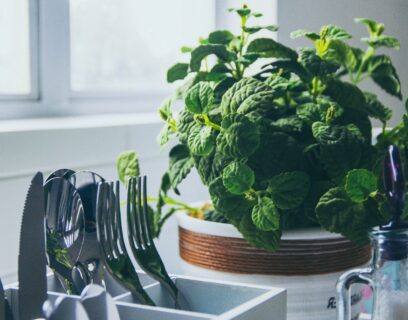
207, 299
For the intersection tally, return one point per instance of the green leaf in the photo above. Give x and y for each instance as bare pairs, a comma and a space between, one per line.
289, 189
382, 41
200, 98
202, 51
164, 136
255, 29
246, 96
222, 87
304, 33
185, 125
383, 73
343, 54
317, 189
201, 141
333, 32
180, 164
238, 177
269, 48
360, 183
376, 109
165, 109
316, 65
278, 152
239, 137
340, 148
186, 49
268, 240
373, 26
346, 94
177, 72
220, 37
232, 206
337, 213
127, 165
265, 216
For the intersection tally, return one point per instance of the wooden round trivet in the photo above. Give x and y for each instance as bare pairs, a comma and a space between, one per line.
294, 257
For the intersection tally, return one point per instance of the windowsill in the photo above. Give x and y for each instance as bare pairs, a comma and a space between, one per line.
79, 122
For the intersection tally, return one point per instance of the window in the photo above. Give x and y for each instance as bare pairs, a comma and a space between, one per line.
15, 66
70, 57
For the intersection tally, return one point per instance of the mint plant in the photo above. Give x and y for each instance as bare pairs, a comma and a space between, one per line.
289, 145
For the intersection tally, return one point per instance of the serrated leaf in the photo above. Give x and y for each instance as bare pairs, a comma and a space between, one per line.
304, 33
337, 213
202, 51
316, 65
265, 216
269, 48
201, 141
238, 177
360, 183
382, 41
376, 109
164, 136
373, 26
177, 72
127, 165
343, 54
333, 32
199, 98
220, 37
180, 164
239, 137
255, 29
383, 73
346, 94
288, 190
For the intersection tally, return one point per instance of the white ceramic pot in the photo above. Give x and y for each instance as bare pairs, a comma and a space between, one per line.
310, 296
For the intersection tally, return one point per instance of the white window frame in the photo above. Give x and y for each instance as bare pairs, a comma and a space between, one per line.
51, 94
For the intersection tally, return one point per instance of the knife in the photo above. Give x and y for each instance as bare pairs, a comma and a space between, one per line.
32, 276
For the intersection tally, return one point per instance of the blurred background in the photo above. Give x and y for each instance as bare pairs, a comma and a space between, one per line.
81, 80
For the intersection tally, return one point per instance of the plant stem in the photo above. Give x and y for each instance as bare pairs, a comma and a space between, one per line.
368, 54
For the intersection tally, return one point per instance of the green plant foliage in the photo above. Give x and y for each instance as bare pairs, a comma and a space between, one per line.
127, 166
199, 98
238, 177
287, 144
289, 189
265, 215
239, 137
360, 184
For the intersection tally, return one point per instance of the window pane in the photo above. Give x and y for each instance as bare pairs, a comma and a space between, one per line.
127, 45
14, 47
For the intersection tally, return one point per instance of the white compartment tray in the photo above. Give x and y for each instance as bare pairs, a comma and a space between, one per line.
207, 299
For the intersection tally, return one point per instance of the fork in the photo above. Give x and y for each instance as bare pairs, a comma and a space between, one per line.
111, 241
140, 238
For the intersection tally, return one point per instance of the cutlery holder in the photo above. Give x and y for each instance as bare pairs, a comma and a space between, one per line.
207, 299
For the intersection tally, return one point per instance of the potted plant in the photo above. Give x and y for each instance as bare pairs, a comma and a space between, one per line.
286, 151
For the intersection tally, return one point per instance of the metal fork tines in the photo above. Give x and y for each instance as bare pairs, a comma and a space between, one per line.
111, 241
140, 238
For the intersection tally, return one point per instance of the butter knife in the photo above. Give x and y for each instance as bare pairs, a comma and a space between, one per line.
32, 259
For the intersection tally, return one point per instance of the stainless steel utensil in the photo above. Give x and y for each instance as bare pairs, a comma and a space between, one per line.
32, 259
65, 225
98, 303
111, 241
86, 183
141, 240
60, 173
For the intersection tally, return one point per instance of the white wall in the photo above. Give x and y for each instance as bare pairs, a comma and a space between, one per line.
89, 143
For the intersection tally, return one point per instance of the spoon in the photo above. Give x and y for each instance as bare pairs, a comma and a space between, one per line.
86, 183
65, 230
60, 173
